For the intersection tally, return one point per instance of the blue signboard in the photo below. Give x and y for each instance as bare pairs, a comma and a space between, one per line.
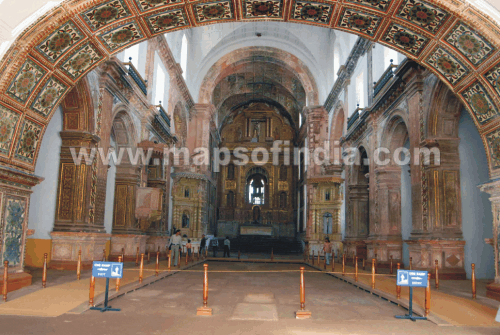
412, 278
107, 270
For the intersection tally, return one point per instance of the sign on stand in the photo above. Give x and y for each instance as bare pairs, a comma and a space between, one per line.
411, 278
107, 270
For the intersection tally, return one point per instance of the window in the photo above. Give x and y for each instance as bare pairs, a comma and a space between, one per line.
327, 223
184, 49
360, 90
132, 52
327, 195
186, 193
160, 85
388, 55
336, 63
256, 190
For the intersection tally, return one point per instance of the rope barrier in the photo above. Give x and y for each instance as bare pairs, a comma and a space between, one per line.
262, 271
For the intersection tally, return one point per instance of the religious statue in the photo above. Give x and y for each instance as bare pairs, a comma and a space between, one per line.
256, 214
256, 132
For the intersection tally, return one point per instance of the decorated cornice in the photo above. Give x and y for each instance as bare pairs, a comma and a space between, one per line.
192, 175
345, 71
17, 178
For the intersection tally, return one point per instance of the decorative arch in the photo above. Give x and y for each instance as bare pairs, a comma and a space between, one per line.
394, 135
78, 108
337, 128
229, 64
123, 129
444, 113
32, 67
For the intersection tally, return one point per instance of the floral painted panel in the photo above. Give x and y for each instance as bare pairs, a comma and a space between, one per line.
213, 11
105, 14
359, 21
472, 45
312, 11
429, 17
405, 39
27, 146
8, 124
60, 41
480, 102
49, 96
121, 36
166, 21
449, 66
263, 9
81, 61
146, 5
25, 81
13, 218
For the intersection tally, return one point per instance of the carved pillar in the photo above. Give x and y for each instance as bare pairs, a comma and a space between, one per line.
386, 240
15, 191
75, 224
493, 188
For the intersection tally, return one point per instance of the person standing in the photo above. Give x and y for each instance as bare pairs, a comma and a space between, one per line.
327, 249
175, 245
215, 246
188, 248
227, 246
203, 244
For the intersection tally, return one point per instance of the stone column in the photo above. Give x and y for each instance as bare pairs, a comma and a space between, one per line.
493, 188
442, 240
126, 233
75, 226
386, 241
15, 191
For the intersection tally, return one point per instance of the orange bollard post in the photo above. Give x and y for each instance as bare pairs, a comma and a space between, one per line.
333, 261
157, 264
169, 259
5, 279
343, 265
120, 259
302, 313
313, 258
390, 267
473, 279
149, 257
373, 272
428, 295
79, 264
239, 254
364, 267
137, 257
308, 254
91, 291
141, 268
205, 310
187, 257
398, 288
437, 274
410, 262
44, 275
324, 260
356, 269
319, 263
104, 255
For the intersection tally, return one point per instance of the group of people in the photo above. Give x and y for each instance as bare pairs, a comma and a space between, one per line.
176, 246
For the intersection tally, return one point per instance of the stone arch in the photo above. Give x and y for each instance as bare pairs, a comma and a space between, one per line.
91, 43
394, 135
78, 108
444, 113
123, 129
227, 64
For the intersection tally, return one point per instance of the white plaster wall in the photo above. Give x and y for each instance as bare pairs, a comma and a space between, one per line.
42, 209
477, 219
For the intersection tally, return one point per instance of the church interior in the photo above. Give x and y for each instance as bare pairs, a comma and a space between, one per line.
335, 133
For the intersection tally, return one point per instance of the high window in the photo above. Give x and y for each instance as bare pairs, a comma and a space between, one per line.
184, 49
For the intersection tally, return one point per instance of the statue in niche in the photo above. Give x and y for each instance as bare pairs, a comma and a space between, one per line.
276, 134
256, 132
239, 135
256, 214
